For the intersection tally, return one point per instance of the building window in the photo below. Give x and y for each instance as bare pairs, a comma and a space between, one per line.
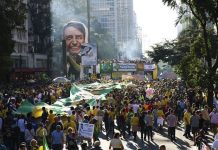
41, 63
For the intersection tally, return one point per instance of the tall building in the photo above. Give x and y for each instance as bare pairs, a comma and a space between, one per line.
118, 17
105, 12
125, 20
20, 36
31, 51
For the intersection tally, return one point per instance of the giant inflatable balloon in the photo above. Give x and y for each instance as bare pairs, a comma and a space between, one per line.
149, 93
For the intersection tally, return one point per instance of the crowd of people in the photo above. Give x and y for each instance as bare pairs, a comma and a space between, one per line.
128, 110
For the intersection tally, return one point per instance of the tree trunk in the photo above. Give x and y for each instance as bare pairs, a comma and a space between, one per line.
211, 74
210, 90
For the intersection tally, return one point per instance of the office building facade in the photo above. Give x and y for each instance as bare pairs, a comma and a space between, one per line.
118, 18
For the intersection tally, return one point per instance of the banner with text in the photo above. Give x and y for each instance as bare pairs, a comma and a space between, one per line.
130, 67
149, 67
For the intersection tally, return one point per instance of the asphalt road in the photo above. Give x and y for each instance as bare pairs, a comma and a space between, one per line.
161, 138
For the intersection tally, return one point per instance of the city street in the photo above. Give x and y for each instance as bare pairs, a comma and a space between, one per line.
66, 66
181, 143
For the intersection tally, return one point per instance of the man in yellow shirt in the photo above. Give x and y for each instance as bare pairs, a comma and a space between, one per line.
40, 133
160, 113
135, 125
186, 119
160, 118
51, 117
68, 124
95, 111
112, 113
72, 116
3, 111
89, 112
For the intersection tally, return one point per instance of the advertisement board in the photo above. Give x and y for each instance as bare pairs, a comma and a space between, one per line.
128, 67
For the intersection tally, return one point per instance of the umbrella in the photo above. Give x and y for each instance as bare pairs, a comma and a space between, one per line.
60, 80
31, 81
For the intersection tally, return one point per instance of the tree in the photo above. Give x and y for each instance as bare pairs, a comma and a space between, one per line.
12, 15
41, 28
206, 14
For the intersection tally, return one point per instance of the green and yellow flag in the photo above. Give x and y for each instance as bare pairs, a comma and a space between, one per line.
44, 145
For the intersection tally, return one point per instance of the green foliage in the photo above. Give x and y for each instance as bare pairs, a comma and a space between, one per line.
187, 54
12, 14
41, 25
206, 13
191, 70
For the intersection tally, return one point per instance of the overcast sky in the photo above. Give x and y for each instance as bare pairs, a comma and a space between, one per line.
157, 21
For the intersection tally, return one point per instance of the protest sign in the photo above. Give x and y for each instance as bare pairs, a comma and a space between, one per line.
86, 130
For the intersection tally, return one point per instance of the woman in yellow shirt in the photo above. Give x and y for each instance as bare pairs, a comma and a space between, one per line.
135, 125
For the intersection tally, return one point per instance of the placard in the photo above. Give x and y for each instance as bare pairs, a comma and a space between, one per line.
86, 130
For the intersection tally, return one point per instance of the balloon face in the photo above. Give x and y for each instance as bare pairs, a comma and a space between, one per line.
149, 93
74, 38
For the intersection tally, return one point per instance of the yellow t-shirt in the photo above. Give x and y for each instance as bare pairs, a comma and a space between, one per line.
89, 113
72, 118
95, 111
167, 101
160, 113
71, 124
59, 92
53, 98
163, 103
112, 115
3, 113
51, 118
186, 118
40, 132
135, 121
